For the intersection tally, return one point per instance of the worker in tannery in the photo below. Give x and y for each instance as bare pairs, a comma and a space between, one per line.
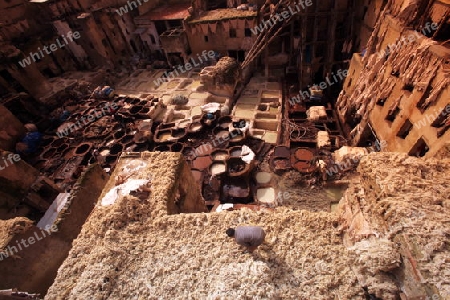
248, 236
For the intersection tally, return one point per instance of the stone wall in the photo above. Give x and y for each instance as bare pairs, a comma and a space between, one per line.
32, 266
395, 220
11, 129
400, 87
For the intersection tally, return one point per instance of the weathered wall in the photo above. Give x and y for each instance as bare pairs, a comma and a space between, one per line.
186, 196
173, 188
408, 82
33, 268
395, 220
369, 12
218, 33
33, 26
11, 129
15, 182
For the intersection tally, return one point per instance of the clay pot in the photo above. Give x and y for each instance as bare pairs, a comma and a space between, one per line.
235, 151
49, 153
162, 136
236, 136
118, 134
82, 149
162, 148
195, 127
143, 137
220, 155
144, 111
116, 149
58, 142
135, 109
220, 133
217, 168
177, 147
126, 139
224, 122
62, 148
178, 133
237, 167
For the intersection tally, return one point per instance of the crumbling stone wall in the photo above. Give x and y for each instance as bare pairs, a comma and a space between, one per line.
11, 129
395, 221
222, 78
33, 265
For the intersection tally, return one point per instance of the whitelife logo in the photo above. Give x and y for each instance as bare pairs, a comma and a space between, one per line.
207, 147
53, 47
11, 250
428, 28
350, 161
124, 9
12, 158
323, 85
429, 118
83, 121
187, 67
280, 17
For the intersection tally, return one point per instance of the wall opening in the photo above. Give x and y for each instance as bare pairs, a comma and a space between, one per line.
419, 149
239, 55
421, 103
392, 114
405, 129
408, 87
12, 81
442, 121
232, 33
152, 38
160, 27
442, 117
381, 101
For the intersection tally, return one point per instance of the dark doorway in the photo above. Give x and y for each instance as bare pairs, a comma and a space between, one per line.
133, 45
419, 149
215, 4
239, 55
160, 27
12, 81
175, 59
48, 73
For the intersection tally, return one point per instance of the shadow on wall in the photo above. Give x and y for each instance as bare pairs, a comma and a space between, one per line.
34, 268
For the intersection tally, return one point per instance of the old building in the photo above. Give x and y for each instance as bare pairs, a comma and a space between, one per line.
398, 88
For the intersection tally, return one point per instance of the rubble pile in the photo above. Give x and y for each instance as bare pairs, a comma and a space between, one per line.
9, 228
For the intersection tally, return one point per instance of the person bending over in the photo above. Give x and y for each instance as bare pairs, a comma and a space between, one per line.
248, 236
